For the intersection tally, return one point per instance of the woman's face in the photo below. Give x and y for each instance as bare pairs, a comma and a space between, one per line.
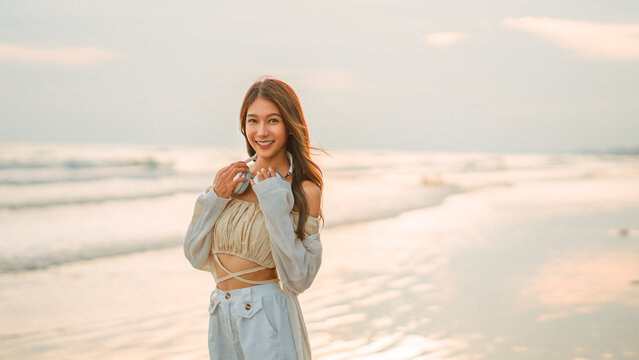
265, 128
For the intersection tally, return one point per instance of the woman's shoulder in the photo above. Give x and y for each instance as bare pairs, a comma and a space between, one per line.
310, 188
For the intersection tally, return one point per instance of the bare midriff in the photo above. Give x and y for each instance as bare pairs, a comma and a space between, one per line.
235, 264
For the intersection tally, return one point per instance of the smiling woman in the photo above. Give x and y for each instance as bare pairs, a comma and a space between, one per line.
247, 236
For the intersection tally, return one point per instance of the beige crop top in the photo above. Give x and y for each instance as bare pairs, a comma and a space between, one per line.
240, 230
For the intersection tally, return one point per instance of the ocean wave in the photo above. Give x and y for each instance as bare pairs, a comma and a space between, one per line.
84, 177
33, 171
47, 258
94, 200
390, 210
44, 260
72, 164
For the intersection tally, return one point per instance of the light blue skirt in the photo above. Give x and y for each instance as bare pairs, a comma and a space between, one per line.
250, 323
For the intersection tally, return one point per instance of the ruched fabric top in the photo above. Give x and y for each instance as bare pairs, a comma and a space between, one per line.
240, 230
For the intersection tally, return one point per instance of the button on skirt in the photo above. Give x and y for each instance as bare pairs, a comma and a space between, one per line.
249, 324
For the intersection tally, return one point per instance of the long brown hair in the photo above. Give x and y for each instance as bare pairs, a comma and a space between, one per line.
298, 143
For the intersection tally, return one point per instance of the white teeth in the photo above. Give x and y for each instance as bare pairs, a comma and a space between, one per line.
265, 143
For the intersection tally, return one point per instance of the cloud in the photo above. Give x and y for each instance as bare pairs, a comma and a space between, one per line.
445, 38
72, 56
620, 41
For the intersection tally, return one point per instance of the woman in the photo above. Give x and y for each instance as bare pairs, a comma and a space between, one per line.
251, 238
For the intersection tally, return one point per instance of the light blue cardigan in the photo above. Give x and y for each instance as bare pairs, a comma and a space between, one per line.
297, 261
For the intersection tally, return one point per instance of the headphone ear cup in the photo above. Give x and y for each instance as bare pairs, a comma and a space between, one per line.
243, 185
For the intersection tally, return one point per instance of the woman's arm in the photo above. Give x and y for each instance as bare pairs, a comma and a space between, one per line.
297, 261
197, 245
208, 207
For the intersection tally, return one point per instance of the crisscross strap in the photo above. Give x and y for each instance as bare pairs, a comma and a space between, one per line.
236, 274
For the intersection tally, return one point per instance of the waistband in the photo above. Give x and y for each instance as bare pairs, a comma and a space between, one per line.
244, 294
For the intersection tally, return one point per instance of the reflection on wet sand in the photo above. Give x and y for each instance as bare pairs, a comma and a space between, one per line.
379, 304
578, 283
447, 283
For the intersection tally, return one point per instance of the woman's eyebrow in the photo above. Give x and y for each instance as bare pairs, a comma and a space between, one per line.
253, 115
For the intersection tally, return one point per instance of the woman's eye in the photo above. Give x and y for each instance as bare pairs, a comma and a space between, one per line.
250, 120
274, 120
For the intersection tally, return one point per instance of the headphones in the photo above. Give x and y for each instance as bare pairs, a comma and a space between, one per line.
243, 185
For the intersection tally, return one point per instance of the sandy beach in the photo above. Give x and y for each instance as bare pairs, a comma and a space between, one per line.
529, 261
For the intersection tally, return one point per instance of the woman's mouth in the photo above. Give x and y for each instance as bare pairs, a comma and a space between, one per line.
265, 144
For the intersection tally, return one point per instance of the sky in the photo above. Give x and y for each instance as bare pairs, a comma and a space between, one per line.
503, 76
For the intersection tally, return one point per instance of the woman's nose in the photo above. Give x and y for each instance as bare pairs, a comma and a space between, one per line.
262, 130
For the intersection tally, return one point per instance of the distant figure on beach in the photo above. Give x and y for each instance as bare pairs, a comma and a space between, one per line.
248, 235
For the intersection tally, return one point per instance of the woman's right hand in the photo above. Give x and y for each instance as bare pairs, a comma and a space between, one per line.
224, 183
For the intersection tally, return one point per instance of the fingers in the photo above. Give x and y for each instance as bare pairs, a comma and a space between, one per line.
226, 180
260, 175
240, 165
237, 167
233, 165
263, 174
236, 164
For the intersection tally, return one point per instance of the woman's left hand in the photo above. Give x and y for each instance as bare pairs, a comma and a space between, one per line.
263, 174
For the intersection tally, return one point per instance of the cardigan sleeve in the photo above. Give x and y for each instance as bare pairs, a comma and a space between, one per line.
297, 261
197, 241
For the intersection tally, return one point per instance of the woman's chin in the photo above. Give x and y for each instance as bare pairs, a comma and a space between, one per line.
268, 151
